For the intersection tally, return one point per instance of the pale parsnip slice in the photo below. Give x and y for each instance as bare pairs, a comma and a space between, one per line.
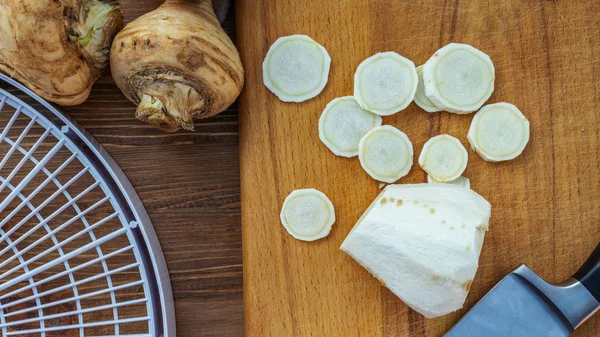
296, 68
423, 243
343, 123
420, 98
459, 78
460, 181
444, 158
385, 83
499, 132
307, 214
386, 153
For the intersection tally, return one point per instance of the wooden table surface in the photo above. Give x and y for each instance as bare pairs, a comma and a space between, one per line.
189, 184
545, 209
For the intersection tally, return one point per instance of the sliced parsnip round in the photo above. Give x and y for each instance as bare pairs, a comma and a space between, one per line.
385, 83
459, 78
420, 98
444, 158
296, 68
460, 181
343, 123
307, 214
386, 153
499, 132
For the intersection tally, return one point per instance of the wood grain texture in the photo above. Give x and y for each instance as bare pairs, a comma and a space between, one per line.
545, 203
189, 184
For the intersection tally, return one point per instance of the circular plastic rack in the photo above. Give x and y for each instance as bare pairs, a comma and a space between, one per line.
78, 253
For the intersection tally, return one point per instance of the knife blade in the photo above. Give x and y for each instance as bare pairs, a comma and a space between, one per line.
524, 305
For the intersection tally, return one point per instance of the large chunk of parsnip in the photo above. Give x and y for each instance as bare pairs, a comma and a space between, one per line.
422, 242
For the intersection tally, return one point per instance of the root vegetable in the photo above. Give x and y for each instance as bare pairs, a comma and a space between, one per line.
385, 83
386, 153
420, 98
444, 158
177, 64
460, 181
499, 132
343, 123
307, 214
423, 243
459, 78
296, 68
60, 56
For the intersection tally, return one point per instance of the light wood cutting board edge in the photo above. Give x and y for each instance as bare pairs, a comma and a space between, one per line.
545, 209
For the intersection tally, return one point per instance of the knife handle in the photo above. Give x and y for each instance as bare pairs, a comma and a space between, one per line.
589, 273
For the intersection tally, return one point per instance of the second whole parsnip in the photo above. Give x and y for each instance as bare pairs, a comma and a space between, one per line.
177, 64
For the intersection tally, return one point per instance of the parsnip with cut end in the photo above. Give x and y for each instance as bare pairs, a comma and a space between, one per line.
444, 158
177, 64
343, 123
459, 78
386, 153
499, 132
460, 181
423, 243
296, 68
58, 48
307, 214
420, 98
385, 83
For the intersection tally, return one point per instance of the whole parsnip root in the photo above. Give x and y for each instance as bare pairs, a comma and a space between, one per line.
57, 48
177, 64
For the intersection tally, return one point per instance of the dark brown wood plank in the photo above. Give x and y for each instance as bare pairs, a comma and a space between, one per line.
189, 184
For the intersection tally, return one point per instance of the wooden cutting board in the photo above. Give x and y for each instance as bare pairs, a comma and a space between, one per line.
546, 203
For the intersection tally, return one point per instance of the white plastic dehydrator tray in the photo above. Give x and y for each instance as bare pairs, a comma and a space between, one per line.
78, 253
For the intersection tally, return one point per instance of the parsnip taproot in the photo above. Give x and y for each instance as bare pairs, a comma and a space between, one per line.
343, 123
422, 242
499, 132
444, 158
459, 78
385, 153
307, 214
177, 64
385, 83
296, 68
57, 48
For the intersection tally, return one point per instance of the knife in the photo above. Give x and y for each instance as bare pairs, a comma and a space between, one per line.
524, 305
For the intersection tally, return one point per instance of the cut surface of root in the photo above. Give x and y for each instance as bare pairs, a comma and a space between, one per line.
420, 98
499, 132
170, 106
444, 158
423, 242
296, 68
343, 123
386, 153
307, 214
385, 83
459, 78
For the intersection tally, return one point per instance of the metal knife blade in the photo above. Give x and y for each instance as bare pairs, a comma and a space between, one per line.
524, 305
512, 308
